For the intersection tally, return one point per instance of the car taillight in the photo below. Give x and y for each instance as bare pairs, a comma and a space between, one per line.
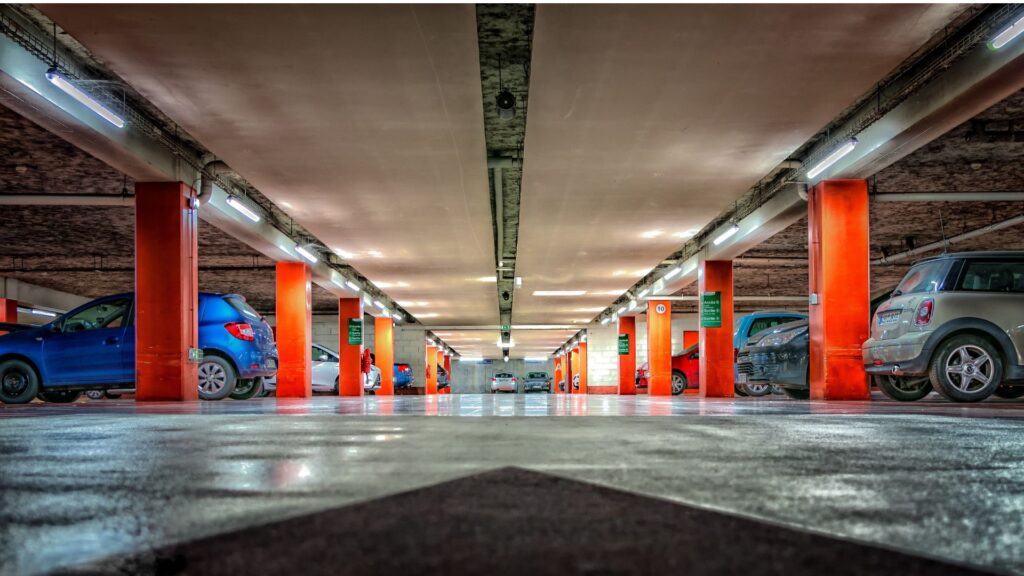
924, 312
241, 330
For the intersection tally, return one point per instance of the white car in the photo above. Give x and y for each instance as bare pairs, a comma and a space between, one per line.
325, 373
504, 382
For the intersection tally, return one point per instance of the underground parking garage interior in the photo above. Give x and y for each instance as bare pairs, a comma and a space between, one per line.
264, 309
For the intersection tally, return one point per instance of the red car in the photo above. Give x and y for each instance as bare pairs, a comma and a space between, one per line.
685, 371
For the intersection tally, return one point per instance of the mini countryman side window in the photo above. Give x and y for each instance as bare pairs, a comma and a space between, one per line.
924, 277
989, 276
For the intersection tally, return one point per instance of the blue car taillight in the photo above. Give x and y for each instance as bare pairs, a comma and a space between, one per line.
241, 330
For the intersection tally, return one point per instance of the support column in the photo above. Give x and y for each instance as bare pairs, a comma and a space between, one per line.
558, 374
350, 347
567, 369
583, 368
294, 330
430, 361
690, 337
840, 271
384, 354
659, 348
8, 311
716, 352
166, 292
627, 355
448, 369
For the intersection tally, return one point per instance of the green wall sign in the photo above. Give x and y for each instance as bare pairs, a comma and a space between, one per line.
711, 310
355, 331
623, 344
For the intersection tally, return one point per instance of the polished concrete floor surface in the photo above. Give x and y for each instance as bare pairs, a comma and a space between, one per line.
86, 481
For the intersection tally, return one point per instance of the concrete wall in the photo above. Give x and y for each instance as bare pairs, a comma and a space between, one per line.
475, 377
30, 295
603, 347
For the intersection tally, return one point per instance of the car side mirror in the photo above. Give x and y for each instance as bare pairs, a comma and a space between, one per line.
322, 358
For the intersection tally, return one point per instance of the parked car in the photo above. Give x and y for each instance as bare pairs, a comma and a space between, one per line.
93, 348
955, 323
537, 382
504, 382
561, 385
686, 364
442, 378
11, 327
575, 381
403, 375
326, 363
780, 356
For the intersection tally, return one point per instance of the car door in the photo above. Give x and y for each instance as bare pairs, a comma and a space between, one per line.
87, 346
325, 368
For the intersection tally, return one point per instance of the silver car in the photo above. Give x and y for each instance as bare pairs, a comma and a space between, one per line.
956, 324
504, 382
325, 373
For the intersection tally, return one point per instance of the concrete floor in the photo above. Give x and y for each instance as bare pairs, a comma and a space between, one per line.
84, 481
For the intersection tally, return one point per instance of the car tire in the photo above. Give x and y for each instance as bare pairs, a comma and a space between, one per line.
19, 382
1009, 392
112, 395
94, 394
679, 383
966, 368
756, 390
904, 389
245, 389
739, 390
797, 393
217, 378
58, 396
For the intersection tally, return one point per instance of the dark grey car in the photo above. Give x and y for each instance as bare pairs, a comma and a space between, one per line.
778, 356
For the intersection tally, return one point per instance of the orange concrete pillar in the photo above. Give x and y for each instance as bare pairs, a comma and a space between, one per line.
659, 347
448, 369
294, 330
430, 360
166, 292
558, 374
8, 312
690, 337
583, 368
350, 346
717, 356
384, 354
627, 355
840, 271
567, 368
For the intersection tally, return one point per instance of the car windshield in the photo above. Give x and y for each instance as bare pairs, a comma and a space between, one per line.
503, 375
924, 277
238, 303
537, 375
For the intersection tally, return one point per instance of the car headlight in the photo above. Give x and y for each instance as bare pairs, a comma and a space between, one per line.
782, 337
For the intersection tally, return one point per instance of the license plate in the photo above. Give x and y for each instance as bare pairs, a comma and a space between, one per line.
742, 378
889, 318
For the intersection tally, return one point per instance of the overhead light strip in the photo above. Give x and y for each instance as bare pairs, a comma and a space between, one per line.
831, 159
84, 98
1004, 37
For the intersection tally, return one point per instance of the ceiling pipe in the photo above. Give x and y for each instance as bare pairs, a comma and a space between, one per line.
950, 197
951, 240
66, 199
210, 173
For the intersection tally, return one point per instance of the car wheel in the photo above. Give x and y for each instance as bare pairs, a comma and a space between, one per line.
247, 388
61, 396
19, 382
94, 394
739, 390
756, 389
1008, 392
904, 389
797, 393
216, 378
112, 395
966, 368
678, 382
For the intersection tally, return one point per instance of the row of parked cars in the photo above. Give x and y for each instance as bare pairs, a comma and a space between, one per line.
954, 324
92, 349
508, 382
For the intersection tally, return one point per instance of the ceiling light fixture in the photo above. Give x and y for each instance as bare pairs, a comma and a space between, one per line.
379, 304
344, 254
237, 204
687, 233
1004, 37
643, 293
352, 285
519, 280
58, 80
732, 229
621, 311
605, 320
506, 357
506, 344
487, 279
559, 292
398, 318
470, 359
832, 158
673, 273
652, 234
305, 253
47, 313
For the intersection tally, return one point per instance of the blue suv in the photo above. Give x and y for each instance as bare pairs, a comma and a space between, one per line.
93, 348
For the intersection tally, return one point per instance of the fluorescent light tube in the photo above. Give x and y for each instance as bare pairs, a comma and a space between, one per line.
47, 313
237, 204
58, 80
633, 305
732, 229
352, 285
398, 317
506, 344
309, 256
559, 292
1004, 37
605, 320
672, 273
644, 292
379, 304
470, 359
536, 358
831, 159
620, 311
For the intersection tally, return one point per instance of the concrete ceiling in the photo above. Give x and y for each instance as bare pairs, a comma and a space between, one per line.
647, 121
363, 122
